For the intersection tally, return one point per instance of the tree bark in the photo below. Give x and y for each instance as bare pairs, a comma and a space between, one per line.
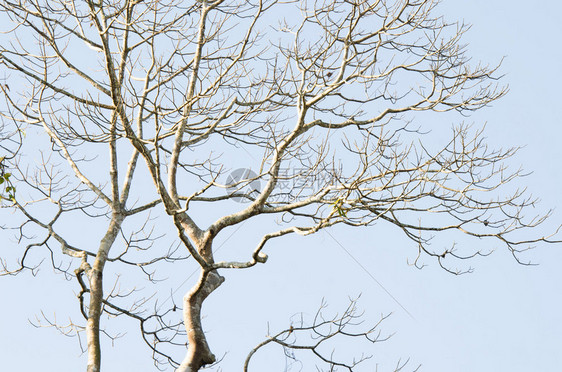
198, 352
96, 294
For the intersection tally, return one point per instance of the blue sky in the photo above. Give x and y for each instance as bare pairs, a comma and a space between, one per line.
502, 317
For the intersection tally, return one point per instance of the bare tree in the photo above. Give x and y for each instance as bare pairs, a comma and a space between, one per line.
150, 103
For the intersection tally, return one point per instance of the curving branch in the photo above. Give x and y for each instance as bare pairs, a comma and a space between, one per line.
316, 337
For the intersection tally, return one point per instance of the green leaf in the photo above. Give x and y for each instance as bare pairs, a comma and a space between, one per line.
338, 207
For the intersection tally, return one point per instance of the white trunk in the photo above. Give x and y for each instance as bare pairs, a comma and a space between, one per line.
198, 352
96, 294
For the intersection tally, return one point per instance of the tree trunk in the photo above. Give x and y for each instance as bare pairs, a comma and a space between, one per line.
93, 326
96, 294
198, 352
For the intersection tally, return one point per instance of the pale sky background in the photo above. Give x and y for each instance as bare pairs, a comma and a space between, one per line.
502, 317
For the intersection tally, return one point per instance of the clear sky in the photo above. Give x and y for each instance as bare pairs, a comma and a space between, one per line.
502, 317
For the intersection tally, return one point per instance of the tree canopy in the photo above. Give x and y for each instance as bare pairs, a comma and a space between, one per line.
139, 111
